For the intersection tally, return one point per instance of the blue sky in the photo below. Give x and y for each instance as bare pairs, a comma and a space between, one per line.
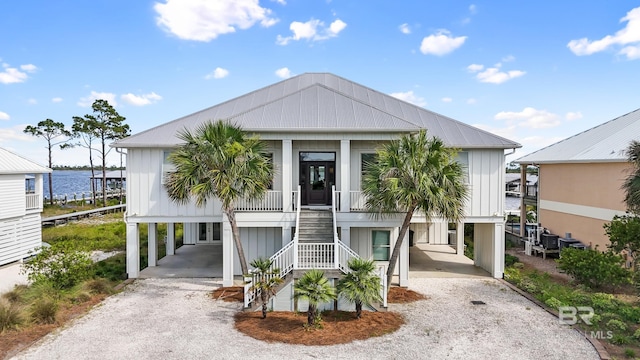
534, 72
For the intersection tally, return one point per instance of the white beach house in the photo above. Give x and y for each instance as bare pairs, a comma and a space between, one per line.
319, 128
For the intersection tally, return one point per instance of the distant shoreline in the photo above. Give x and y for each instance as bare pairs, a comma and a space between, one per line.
88, 168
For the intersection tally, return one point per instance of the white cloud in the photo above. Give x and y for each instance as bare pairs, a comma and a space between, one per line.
446, 99
506, 132
88, 100
404, 28
473, 9
493, 75
141, 100
32, 101
573, 115
441, 43
14, 133
508, 58
218, 73
471, 101
410, 97
205, 20
281, 2
283, 73
4, 116
530, 118
56, 99
628, 37
11, 75
312, 30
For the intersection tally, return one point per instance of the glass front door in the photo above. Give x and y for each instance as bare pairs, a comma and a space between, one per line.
209, 233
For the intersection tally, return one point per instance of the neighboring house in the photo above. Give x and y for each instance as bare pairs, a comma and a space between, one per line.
580, 179
318, 128
513, 185
21, 194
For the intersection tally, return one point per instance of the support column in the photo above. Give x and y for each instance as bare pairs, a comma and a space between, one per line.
133, 250
345, 235
227, 253
523, 207
404, 261
460, 238
171, 238
287, 175
345, 175
152, 244
498, 251
38, 188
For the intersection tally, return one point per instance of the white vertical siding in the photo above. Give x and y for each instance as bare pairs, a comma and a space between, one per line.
486, 170
146, 196
256, 242
357, 149
13, 195
420, 233
483, 245
19, 236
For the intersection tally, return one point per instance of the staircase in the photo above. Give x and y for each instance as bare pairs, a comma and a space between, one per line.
316, 226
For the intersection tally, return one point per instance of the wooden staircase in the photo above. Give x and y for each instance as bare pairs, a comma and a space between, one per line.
316, 226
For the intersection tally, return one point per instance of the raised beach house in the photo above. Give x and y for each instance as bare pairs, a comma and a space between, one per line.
319, 128
21, 194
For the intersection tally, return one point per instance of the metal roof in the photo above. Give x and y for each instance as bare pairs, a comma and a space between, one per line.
11, 163
604, 143
322, 102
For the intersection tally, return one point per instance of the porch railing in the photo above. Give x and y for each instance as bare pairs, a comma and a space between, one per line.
272, 201
316, 256
33, 201
357, 201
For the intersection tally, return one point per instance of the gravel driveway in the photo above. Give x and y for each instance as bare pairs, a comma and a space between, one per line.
176, 319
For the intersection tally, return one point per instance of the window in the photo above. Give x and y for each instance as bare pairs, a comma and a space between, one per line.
380, 241
167, 166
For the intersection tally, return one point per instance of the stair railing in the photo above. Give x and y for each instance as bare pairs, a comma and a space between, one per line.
336, 239
297, 233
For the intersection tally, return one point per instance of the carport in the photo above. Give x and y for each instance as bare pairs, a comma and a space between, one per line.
441, 261
189, 261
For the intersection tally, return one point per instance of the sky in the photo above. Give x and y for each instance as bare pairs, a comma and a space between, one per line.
535, 72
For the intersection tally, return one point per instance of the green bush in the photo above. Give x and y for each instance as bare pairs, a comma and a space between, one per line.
594, 268
113, 268
16, 295
509, 260
619, 339
10, 316
614, 324
60, 265
636, 334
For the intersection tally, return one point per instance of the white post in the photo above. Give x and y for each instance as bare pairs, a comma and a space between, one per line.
498, 251
171, 238
287, 175
460, 238
152, 242
345, 175
227, 253
38, 188
404, 261
133, 250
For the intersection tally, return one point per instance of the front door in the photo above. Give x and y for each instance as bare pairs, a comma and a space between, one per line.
209, 233
316, 180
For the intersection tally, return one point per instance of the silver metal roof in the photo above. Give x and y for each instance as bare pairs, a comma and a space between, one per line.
322, 102
604, 143
11, 163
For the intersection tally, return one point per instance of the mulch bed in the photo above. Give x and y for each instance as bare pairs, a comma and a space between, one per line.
400, 295
338, 327
229, 294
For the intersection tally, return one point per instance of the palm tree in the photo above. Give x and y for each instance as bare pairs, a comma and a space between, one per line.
267, 282
220, 160
361, 285
631, 185
315, 288
414, 173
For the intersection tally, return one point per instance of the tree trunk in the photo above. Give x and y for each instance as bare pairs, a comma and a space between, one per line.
311, 315
50, 177
358, 309
396, 249
231, 214
93, 179
264, 310
104, 175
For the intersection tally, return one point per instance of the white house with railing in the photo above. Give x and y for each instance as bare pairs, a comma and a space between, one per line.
21, 205
319, 129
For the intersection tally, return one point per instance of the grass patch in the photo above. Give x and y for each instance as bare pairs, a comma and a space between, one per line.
84, 237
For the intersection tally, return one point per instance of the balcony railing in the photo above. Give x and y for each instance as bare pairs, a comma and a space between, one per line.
33, 201
357, 201
272, 201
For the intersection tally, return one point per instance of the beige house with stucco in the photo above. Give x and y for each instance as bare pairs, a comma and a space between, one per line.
580, 179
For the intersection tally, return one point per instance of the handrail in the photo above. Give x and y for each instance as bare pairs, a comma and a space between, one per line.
335, 227
296, 235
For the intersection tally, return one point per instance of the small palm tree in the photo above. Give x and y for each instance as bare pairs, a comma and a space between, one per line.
361, 285
631, 185
220, 160
267, 281
315, 288
414, 173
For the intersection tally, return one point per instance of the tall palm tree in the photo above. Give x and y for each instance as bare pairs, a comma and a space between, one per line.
315, 288
267, 281
631, 185
220, 160
414, 173
361, 285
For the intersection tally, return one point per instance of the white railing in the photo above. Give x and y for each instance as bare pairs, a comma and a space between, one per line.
84, 196
334, 208
296, 235
316, 256
382, 273
345, 254
272, 201
282, 260
33, 201
357, 201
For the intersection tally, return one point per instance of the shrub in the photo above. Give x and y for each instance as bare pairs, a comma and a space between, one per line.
636, 334
16, 295
630, 353
618, 339
509, 260
10, 316
614, 324
513, 275
99, 286
594, 268
113, 268
60, 265
553, 303
44, 311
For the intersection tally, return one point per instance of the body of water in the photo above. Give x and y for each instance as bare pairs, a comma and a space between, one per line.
68, 182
